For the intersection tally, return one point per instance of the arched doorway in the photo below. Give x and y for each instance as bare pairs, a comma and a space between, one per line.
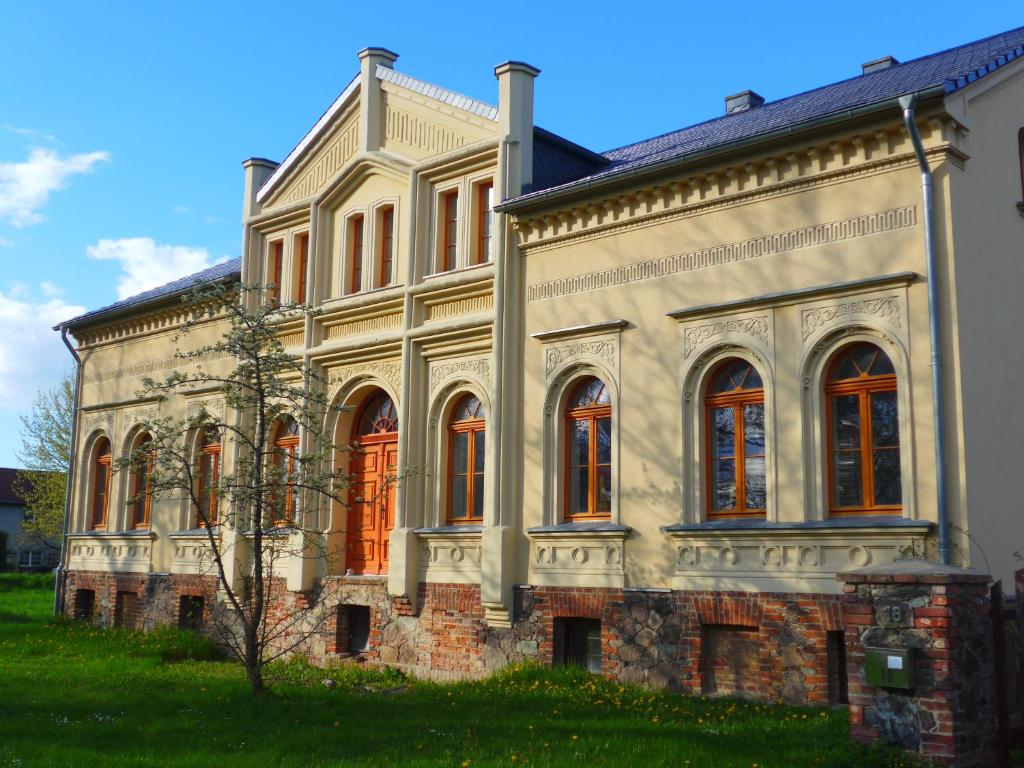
371, 498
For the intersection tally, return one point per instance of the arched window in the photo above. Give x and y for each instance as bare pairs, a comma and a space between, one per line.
734, 407
378, 416
207, 477
141, 492
863, 432
588, 450
466, 436
100, 483
284, 458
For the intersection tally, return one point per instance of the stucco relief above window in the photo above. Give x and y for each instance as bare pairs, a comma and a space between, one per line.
444, 371
388, 370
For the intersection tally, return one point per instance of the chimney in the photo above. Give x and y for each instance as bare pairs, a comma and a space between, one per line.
515, 121
742, 101
371, 107
877, 65
257, 171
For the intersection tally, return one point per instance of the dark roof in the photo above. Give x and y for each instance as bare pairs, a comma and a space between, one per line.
226, 271
557, 160
943, 72
7, 493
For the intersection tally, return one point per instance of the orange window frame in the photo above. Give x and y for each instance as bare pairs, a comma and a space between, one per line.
209, 463
471, 428
484, 223
300, 297
591, 414
356, 272
101, 502
141, 501
450, 243
863, 388
737, 401
276, 270
285, 449
387, 245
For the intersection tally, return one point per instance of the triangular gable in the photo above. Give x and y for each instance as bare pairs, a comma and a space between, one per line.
340, 145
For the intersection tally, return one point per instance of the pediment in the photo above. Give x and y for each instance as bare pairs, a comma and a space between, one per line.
323, 161
418, 126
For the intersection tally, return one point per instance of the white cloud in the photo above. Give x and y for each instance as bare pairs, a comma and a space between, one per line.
32, 355
181, 209
146, 264
25, 187
5, 243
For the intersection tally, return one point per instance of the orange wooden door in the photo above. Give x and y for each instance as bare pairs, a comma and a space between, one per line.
371, 510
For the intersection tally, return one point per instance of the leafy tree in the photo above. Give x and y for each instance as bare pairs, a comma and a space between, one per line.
268, 505
45, 452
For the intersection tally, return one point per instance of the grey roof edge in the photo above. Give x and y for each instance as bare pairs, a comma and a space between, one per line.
569, 145
436, 92
226, 272
613, 179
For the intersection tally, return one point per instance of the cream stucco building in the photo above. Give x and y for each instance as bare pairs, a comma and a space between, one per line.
646, 403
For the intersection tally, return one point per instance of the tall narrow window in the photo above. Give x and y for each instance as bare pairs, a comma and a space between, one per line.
356, 276
387, 245
485, 222
735, 442
284, 457
101, 483
588, 447
141, 481
863, 433
1020, 157
276, 270
208, 477
466, 437
449, 244
302, 245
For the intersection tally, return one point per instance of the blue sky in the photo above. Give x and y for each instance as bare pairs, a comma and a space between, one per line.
123, 126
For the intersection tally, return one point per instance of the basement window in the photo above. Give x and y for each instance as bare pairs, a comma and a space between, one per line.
126, 610
190, 613
353, 630
85, 604
578, 641
837, 682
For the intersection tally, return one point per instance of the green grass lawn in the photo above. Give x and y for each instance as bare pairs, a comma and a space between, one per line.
71, 695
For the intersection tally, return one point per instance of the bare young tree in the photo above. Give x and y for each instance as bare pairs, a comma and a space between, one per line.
266, 509
45, 452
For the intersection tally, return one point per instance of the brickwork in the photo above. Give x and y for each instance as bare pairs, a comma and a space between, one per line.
136, 601
943, 616
655, 638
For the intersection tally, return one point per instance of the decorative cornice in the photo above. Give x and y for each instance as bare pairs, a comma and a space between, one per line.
388, 370
147, 367
888, 308
601, 349
442, 372
699, 335
743, 250
576, 331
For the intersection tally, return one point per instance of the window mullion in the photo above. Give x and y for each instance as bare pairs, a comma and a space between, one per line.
738, 458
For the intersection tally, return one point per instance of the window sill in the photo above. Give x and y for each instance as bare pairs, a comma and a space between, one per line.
143, 533
834, 523
448, 530
606, 527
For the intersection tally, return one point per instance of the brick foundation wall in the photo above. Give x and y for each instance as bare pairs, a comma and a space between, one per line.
657, 638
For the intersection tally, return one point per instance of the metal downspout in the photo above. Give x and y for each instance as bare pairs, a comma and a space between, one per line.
907, 104
58, 589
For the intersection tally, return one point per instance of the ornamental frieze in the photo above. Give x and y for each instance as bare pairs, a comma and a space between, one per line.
886, 308
443, 372
389, 370
602, 349
698, 336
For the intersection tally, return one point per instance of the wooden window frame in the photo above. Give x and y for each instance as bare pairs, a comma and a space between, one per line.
211, 450
275, 269
863, 387
142, 472
303, 264
387, 245
104, 461
591, 414
357, 245
470, 427
737, 400
450, 229
484, 216
286, 446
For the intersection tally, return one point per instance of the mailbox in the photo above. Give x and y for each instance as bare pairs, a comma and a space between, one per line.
889, 667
